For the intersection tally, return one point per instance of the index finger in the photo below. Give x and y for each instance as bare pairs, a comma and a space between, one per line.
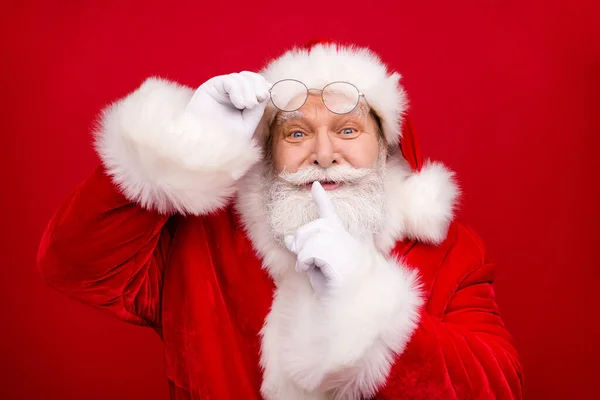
261, 86
322, 200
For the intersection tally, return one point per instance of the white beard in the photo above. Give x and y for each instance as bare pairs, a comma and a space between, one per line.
359, 202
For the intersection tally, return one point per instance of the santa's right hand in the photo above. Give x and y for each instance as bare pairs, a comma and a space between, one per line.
236, 100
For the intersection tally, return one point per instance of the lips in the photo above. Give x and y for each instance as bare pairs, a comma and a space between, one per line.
328, 185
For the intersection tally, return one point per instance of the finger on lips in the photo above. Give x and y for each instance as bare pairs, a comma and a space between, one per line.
322, 200
295, 243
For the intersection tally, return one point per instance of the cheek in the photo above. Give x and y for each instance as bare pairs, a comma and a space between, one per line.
287, 157
362, 152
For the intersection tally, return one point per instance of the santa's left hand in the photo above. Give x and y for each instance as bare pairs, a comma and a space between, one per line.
325, 250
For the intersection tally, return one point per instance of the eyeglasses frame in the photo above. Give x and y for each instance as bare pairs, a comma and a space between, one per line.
360, 94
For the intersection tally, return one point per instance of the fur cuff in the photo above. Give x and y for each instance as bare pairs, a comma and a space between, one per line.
167, 160
371, 323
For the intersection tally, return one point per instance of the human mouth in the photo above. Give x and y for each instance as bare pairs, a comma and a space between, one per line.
327, 185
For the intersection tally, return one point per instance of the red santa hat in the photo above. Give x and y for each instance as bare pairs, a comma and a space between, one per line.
322, 61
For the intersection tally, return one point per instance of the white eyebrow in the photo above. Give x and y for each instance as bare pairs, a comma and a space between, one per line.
284, 116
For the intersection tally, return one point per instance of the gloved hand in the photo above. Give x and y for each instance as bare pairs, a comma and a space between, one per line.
325, 250
236, 100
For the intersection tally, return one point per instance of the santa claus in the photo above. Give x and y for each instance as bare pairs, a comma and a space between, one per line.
281, 234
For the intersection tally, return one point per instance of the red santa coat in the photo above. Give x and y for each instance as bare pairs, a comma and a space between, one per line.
199, 282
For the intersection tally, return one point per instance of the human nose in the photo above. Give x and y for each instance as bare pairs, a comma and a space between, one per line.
323, 152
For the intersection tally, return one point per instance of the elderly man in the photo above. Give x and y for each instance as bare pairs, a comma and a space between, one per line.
281, 234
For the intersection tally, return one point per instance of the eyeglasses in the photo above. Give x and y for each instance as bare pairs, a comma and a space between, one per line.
339, 97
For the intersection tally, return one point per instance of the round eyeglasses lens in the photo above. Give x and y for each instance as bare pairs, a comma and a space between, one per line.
340, 97
288, 95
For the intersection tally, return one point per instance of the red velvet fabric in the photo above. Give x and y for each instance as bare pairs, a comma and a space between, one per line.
199, 284
410, 147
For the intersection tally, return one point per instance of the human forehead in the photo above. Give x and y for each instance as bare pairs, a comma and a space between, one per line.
315, 111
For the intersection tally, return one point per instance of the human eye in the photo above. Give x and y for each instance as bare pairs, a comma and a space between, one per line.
349, 132
295, 135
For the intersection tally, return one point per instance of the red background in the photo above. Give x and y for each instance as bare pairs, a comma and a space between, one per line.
507, 93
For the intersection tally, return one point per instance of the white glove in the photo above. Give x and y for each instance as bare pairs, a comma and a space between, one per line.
237, 101
325, 250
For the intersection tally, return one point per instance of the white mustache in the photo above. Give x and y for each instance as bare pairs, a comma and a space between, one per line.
307, 175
